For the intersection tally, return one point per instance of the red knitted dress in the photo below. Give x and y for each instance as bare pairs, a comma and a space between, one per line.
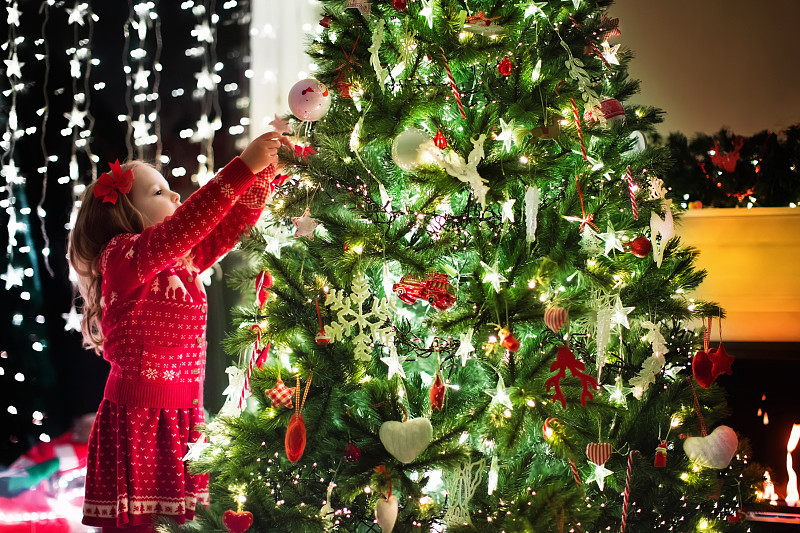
154, 322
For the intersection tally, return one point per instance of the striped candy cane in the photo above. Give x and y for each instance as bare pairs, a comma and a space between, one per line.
575, 473
632, 188
453, 86
627, 494
250, 363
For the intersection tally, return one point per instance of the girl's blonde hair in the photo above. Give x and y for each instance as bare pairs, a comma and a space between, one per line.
95, 225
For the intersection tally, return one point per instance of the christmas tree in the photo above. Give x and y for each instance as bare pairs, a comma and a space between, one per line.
467, 306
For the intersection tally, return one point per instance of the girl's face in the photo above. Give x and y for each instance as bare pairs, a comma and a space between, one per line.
150, 194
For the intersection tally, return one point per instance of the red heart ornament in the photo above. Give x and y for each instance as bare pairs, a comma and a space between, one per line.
237, 522
599, 452
702, 368
295, 441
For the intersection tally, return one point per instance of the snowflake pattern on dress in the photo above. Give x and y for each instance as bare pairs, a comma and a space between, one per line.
372, 327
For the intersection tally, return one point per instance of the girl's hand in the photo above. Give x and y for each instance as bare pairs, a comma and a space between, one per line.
262, 152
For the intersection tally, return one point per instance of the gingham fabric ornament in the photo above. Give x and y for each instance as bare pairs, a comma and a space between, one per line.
555, 318
281, 395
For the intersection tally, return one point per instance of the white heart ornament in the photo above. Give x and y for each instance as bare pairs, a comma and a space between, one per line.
713, 451
406, 440
386, 513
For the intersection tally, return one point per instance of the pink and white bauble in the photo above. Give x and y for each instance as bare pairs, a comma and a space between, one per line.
309, 100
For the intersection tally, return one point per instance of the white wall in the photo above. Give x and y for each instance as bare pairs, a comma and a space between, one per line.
278, 35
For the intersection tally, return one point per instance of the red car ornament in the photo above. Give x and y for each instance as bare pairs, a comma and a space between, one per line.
434, 287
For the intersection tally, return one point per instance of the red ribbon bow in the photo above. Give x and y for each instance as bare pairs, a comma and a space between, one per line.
303, 151
109, 185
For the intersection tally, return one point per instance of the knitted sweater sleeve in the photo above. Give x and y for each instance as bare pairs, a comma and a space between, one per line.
245, 213
159, 245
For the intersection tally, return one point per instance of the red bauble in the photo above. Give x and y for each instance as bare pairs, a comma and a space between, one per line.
399, 5
702, 368
325, 21
295, 441
610, 110
505, 67
641, 246
437, 393
263, 283
352, 453
440, 141
237, 522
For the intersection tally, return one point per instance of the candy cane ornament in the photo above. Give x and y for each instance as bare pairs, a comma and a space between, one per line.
632, 188
250, 363
627, 494
453, 86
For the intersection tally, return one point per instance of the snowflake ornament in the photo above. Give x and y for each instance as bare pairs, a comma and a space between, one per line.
349, 310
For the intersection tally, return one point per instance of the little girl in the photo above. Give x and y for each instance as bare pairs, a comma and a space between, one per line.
137, 251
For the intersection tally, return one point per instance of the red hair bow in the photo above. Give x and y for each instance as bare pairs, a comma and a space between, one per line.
110, 184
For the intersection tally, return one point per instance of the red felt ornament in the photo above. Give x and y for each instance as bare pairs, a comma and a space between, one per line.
661, 455
295, 441
440, 141
262, 357
641, 246
505, 67
720, 361
565, 360
437, 393
399, 5
352, 454
263, 283
702, 368
237, 522
508, 341
702, 365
